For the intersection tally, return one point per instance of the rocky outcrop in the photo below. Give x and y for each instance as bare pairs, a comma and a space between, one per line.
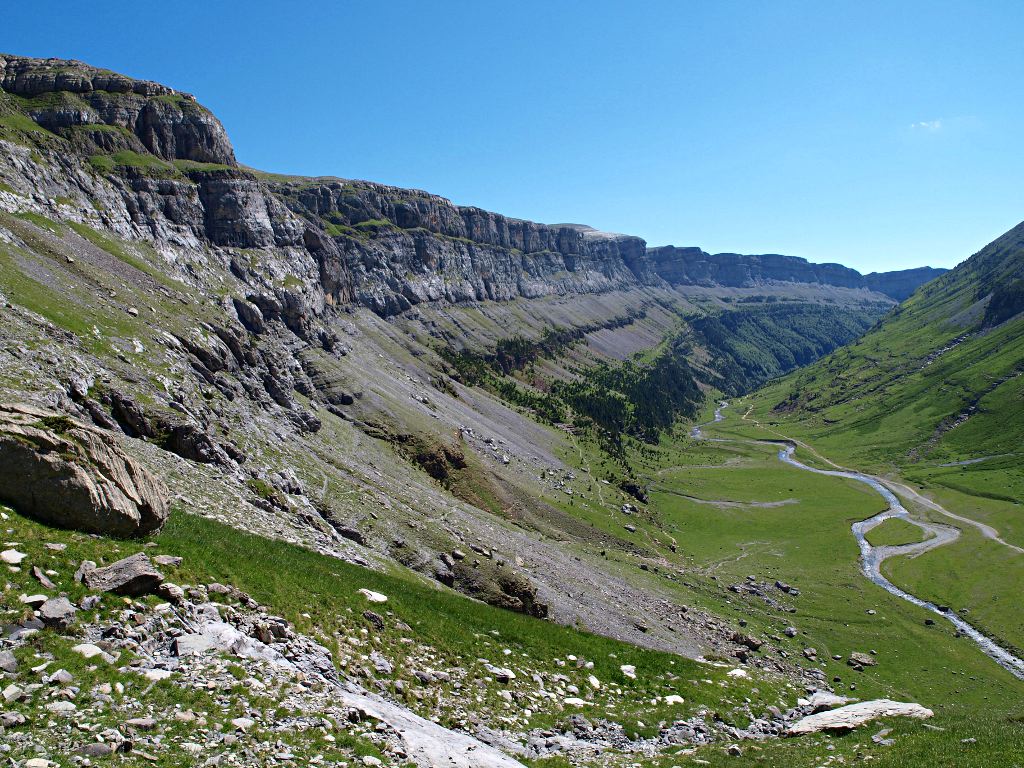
65, 473
391, 248
63, 95
386, 248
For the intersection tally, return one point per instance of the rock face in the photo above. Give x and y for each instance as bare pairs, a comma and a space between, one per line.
153, 117
692, 266
901, 283
391, 249
386, 248
65, 473
849, 717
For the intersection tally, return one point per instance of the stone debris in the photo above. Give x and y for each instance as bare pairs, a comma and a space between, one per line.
58, 613
42, 578
35, 602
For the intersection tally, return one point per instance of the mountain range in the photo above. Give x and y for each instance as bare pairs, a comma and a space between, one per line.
358, 405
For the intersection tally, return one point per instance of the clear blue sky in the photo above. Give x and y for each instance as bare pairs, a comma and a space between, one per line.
880, 135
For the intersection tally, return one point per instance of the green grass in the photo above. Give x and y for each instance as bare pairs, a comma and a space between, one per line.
809, 544
22, 129
320, 596
187, 166
894, 532
129, 159
936, 384
976, 577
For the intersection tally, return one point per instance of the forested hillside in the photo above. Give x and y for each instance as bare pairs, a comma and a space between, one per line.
754, 343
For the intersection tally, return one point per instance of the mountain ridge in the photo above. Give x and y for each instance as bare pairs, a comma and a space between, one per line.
480, 255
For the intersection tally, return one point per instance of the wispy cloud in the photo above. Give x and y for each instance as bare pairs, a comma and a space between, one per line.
928, 126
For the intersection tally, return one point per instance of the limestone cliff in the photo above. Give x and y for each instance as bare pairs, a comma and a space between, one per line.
169, 164
692, 266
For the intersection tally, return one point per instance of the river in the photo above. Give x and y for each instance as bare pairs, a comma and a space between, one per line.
871, 557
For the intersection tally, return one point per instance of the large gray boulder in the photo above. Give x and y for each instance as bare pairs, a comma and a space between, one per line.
132, 576
62, 472
57, 612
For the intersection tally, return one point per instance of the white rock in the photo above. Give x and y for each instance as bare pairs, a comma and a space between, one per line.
629, 671
849, 717
243, 723
674, 698
155, 675
824, 700
737, 673
594, 682
88, 650
573, 701
91, 651
373, 597
12, 556
12, 692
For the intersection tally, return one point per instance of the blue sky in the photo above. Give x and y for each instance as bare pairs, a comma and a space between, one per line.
881, 135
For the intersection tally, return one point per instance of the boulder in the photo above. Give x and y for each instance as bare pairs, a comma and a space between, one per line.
58, 613
861, 660
849, 717
132, 576
822, 700
65, 473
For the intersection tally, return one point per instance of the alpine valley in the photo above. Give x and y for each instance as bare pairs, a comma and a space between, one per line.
314, 471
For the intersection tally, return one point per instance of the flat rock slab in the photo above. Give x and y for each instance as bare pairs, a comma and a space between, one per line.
132, 576
219, 636
849, 717
427, 744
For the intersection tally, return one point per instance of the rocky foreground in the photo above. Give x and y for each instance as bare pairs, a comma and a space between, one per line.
272, 695
118, 658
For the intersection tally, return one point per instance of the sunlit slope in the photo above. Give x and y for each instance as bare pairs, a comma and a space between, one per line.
937, 381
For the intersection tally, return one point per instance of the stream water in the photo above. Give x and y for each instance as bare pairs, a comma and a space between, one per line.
871, 557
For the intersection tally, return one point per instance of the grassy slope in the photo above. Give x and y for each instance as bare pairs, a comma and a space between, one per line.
935, 395
319, 596
809, 544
